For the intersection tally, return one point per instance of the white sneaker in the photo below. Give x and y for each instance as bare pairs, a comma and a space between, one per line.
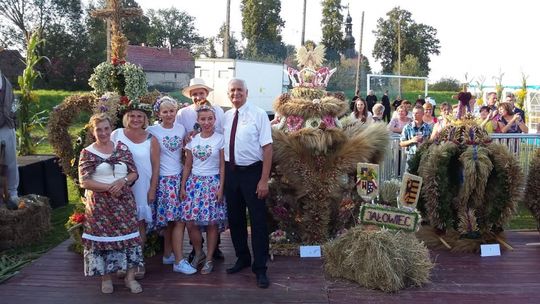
184, 267
168, 260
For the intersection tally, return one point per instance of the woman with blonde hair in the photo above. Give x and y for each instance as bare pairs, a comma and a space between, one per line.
145, 149
378, 112
111, 238
167, 211
397, 123
428, 114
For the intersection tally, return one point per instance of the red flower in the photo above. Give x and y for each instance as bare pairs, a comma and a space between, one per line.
124, 100
115, 61
77, 217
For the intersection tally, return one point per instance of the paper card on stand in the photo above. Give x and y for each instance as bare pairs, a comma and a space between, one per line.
410, 191
310, 251
367, 180
490, 250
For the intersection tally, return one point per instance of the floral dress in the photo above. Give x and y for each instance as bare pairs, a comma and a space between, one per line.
111, 237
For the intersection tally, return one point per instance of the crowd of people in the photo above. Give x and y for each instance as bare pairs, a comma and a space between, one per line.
198, 168
503, 117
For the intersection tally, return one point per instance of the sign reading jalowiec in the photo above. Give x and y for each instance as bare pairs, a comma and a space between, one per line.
389, 217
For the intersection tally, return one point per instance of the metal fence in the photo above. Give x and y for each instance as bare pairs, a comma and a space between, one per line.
521, 145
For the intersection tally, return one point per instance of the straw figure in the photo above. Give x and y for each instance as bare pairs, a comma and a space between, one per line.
532, 191
471, 187
315, 155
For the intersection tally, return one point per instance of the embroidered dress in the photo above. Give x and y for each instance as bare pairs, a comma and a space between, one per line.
111, 237
141, 157
167, 207
201, 204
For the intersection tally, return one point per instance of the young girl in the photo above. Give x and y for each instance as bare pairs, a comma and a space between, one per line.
167, 212
202, 188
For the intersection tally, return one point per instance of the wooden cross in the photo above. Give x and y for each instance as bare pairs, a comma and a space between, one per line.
113, 14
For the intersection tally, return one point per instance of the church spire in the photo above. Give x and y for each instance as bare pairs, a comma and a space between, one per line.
349, 39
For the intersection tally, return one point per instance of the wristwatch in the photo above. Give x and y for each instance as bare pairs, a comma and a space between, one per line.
126, 180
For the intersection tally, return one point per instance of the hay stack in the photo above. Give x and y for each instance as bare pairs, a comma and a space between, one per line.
27, 225
378, 259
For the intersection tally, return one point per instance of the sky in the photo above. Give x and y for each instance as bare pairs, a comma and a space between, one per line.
480, 38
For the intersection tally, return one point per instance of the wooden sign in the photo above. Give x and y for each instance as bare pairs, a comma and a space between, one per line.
410, 191
389, 217
367, 180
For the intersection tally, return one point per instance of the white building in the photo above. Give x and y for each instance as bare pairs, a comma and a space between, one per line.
164, 68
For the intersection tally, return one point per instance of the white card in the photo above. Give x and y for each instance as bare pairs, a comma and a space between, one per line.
490, 250
310, 251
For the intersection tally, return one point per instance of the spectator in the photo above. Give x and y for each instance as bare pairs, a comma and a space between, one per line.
415, 133
428, 114
361, 113
396, 103
371, 100
386, 103
510, 122
512, 100
485, 119
397, 123
442, 121
378, 111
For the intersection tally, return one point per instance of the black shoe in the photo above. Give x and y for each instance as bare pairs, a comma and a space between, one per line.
239, 265
191, 255
262, 280
218, 255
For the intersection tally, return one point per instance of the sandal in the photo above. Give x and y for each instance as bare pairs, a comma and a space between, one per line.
107, 286
133, 286
208, 267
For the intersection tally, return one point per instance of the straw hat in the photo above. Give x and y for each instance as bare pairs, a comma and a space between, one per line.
195, 83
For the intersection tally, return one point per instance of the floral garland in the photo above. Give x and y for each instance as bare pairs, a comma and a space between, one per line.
62, 116
126, 79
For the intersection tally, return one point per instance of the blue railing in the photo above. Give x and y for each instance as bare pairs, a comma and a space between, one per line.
522, 146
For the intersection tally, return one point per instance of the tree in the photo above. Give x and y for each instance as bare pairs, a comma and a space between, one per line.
446, 84
234, 50
332, 23
135, 29
261, 27
21, 17
417, 39
174, 28
410, 67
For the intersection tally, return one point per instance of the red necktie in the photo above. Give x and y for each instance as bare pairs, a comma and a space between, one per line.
233, 137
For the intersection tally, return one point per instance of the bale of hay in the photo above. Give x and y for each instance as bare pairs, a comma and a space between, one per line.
26, 225
378, 259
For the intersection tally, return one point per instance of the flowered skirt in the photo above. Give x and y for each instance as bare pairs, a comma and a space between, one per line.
167, 206
201, 205
102, 262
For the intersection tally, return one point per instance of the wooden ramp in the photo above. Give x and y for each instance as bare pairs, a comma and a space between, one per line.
514, 277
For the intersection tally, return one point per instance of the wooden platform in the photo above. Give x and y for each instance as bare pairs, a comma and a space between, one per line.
513, 277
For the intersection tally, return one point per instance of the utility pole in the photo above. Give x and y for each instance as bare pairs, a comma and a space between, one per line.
360, 57
227, 31
303, 25
399, 54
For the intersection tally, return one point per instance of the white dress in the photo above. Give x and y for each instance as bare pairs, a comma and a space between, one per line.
141, 157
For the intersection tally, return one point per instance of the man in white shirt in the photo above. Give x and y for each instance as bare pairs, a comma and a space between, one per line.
198, 92
7, 137
248, 158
